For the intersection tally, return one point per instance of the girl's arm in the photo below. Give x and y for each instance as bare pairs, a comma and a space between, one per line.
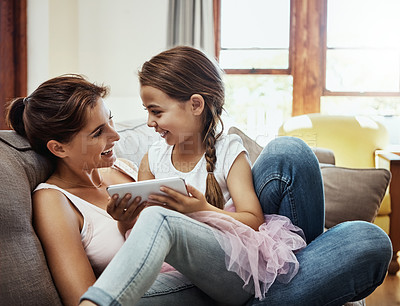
58, 227
241, 188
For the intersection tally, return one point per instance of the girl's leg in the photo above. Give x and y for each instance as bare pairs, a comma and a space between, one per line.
288, 182
164, 235
344, 264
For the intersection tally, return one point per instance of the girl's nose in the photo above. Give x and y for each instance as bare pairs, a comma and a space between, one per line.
151, 122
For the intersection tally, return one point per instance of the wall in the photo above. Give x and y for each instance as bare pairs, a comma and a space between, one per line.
105, 40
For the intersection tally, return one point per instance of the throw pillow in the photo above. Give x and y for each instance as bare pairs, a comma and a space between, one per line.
353, 194
252, 147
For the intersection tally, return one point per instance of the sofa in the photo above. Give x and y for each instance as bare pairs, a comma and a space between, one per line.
357, 142
24, 275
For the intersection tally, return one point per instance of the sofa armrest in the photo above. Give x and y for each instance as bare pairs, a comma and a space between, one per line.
391, 161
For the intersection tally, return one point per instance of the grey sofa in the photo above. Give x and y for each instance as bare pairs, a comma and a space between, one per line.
24, 275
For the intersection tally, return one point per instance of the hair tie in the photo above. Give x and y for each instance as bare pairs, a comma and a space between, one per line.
25, 100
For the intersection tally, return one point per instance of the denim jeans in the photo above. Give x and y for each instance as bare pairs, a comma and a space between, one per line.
345, 263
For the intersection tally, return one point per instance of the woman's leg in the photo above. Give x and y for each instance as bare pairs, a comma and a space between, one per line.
174, 289
288, 182
164, 235
344, 264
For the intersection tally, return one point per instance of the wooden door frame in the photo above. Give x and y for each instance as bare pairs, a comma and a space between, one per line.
13, 53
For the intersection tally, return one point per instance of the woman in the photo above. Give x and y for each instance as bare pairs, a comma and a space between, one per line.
66, 119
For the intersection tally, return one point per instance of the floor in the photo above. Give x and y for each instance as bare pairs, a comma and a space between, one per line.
387, 294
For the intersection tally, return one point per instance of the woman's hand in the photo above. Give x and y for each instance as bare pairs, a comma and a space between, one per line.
196, 201
126, 214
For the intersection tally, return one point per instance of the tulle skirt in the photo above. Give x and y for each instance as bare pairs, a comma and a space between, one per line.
258, 257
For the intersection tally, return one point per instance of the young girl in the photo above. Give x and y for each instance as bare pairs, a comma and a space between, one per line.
187, 115
239, 253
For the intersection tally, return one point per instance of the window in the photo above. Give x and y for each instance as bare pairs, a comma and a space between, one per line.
363, 46
255, 35
254, 52
362, 71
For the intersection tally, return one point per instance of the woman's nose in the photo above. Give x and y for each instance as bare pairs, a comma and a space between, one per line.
114, 134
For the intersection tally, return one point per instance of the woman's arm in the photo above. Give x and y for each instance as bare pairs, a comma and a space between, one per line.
58, 226
117, 208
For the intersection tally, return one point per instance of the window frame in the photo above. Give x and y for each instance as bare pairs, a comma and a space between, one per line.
325, 91
273, 71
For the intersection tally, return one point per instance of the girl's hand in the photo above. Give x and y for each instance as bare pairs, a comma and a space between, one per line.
196, 201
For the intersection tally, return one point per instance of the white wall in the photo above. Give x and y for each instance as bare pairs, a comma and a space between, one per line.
105, 40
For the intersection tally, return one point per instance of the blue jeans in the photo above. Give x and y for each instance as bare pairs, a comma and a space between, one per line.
345, 263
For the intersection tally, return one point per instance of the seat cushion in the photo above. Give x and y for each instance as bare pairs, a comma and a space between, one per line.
136, 138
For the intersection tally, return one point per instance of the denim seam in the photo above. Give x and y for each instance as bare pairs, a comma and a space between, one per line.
167, 291
278, 176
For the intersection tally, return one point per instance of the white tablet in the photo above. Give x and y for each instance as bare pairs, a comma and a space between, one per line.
145, 188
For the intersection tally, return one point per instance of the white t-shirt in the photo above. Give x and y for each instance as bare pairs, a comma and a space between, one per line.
227, 147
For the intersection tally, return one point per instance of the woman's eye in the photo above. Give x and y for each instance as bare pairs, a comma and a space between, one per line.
98, 133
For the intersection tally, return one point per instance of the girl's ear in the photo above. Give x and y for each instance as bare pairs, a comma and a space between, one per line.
56, 148
197, 104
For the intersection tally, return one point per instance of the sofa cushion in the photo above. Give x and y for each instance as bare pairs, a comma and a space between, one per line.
353, 194
136, 138
25, 278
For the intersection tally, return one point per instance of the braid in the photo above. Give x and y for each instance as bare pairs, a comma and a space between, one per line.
214, 194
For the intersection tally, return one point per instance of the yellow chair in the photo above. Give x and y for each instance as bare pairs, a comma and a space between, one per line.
357, 142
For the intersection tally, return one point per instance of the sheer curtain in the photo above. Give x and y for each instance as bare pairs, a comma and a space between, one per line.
191, 23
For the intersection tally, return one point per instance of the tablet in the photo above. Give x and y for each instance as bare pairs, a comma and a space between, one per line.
145, 188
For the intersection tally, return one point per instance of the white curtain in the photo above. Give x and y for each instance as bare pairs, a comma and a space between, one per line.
191, 23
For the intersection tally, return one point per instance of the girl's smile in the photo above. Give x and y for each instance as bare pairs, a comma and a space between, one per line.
177, 122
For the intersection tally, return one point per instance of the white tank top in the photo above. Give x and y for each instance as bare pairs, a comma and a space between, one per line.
101, 238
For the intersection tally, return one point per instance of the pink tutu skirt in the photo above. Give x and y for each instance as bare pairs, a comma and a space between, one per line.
258, 257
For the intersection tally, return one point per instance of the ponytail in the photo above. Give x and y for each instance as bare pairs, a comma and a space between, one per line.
14, 115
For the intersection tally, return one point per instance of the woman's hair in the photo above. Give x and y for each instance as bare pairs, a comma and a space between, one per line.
181, 72
56, 110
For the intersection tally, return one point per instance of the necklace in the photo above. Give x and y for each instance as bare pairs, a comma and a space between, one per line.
77, 184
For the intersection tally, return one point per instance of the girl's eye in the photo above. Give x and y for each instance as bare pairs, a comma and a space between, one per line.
155, 112
98, 133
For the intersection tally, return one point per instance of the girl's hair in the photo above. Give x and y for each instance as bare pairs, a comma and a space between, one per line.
181, 72
56, 110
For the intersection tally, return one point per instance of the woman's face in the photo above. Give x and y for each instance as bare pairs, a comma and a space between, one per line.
92, 147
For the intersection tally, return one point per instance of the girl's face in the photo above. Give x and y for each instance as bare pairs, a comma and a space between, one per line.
92, 147
176, 122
